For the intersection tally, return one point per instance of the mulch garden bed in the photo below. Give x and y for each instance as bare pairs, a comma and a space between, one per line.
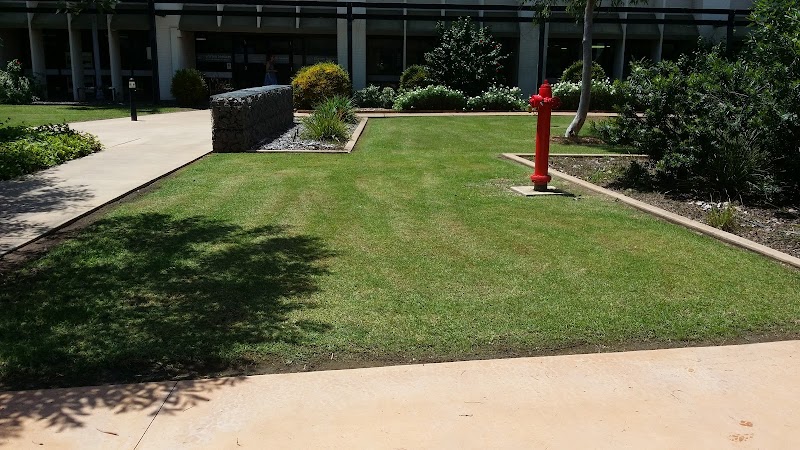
773, 226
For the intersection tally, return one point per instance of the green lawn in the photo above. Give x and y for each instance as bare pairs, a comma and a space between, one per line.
410, 248
33, 115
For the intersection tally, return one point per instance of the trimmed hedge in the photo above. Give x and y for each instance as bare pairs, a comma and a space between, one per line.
27, 150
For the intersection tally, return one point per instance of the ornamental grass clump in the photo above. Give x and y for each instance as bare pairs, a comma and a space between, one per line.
326, 122
430, 98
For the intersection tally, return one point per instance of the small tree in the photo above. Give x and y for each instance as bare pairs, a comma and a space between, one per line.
467, 57
583, 10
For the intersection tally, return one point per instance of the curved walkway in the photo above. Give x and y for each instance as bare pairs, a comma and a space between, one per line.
136, 153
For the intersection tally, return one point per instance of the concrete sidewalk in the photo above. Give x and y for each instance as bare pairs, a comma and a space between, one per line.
715, 397
135, 154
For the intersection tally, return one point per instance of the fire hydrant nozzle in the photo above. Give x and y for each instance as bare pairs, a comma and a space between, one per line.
543, 102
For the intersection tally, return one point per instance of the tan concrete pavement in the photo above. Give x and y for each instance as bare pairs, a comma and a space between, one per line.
714, 397
135, 154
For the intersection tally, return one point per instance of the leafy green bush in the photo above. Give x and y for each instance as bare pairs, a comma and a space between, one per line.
498, 98
26, 150
696, 124
604, 94
324, 124
189, 88
313, 84
15, 88
341, 107
719, 126
467, 58
374, 97
414, 77
430, 98
574, 73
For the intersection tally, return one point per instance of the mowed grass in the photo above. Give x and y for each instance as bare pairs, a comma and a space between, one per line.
34, 115
411, 248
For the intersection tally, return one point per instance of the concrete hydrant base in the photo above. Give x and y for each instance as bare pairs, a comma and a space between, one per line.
529, 191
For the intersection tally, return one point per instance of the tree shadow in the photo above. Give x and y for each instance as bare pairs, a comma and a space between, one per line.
28, 195
64, 409
151, 297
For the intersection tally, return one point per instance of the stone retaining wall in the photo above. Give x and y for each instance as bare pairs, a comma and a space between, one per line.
242, 119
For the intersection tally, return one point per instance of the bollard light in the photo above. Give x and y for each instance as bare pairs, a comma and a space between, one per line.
132, 94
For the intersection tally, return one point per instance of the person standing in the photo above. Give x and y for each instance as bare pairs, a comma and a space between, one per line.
271, 76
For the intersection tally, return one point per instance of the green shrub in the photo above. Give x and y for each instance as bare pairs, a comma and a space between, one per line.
574, 73
604, 94
340, 106
189, 88
414, 77
15, 88
313, 84
467, 58
374, 97
324, 124
498, 98
430, 98
27, 150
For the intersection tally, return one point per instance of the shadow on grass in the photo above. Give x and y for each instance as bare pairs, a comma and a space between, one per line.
150, 297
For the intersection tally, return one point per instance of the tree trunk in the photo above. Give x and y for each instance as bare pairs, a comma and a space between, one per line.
586, 78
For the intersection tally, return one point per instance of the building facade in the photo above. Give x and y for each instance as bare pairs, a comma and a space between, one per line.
92, 55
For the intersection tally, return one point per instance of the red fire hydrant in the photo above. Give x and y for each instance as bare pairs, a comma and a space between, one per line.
543, 102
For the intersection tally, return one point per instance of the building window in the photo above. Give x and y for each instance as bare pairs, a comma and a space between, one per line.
384, 60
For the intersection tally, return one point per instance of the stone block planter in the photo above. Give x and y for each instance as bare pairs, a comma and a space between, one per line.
242, 119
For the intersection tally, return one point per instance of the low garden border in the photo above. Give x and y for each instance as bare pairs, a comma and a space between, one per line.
693, 225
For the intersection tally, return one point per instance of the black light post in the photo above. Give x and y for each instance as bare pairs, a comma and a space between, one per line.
132, 94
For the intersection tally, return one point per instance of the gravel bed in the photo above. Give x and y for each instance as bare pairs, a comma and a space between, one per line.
292, 139
775, 227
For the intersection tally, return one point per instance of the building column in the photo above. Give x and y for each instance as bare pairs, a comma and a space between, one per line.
38, 65
528, 56
166, 33
619, 54
359, 75
75, 59
115, 61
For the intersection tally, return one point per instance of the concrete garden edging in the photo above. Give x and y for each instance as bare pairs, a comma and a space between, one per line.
693, 225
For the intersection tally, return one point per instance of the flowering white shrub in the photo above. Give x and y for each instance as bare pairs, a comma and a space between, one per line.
430, 98
498, 98
604, 94
15, 88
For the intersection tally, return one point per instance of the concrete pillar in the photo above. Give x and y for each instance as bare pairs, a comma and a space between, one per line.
359, 75
167, 36
38, 65
115, 61
75, 59
528, 57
